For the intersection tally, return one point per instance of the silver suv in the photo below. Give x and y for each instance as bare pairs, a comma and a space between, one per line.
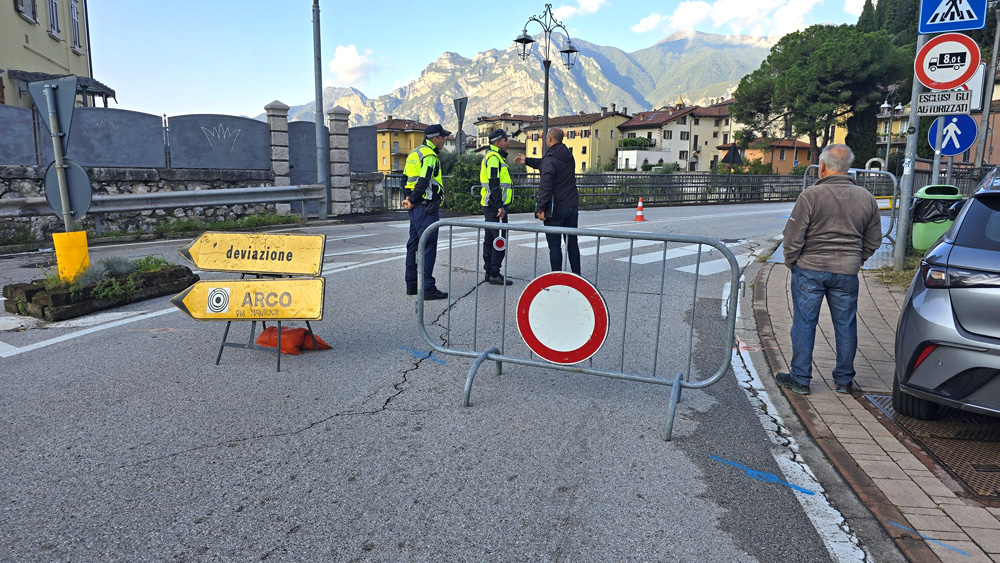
948, 336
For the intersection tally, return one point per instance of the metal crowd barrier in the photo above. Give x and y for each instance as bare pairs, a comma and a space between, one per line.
878, 182
465, 338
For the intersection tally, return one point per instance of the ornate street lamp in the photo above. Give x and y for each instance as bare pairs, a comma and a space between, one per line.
549, 24
888, 109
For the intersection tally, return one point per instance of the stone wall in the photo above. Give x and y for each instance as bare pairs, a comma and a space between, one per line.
358, 193
27, 182
366, 192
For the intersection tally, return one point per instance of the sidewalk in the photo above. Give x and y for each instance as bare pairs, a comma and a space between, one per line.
900, 484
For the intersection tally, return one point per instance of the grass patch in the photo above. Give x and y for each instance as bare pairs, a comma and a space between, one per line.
22, 236
763, 258
902, 278
174, 226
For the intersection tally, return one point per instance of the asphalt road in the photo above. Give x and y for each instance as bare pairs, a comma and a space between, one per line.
123, 441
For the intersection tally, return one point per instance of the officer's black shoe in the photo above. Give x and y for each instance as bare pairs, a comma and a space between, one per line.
498, 280
433, 294
411, 290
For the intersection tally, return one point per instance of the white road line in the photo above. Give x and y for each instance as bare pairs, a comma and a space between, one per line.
842, 544
715, 266
658, 256
6, 350
327, 271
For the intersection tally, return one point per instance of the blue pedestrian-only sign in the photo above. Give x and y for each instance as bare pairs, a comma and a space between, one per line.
958, 135
942, 16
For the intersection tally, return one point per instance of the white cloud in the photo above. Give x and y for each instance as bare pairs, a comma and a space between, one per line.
757, 18
689, 14
648, 23
582, 7
854, 7
351, 68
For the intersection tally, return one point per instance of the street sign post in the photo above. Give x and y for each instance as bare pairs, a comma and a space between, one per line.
941, 16
249, 300
951, 102
957, 136
460, 105
257, 253
947, 61
562, 318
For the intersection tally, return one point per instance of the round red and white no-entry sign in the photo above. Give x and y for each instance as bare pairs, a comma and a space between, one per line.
562, 318
947, 61
499, 243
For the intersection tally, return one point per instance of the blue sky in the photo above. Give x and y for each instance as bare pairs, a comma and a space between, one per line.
235, 57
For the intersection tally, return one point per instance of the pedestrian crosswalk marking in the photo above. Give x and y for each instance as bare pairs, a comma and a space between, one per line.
715, 266
952, 10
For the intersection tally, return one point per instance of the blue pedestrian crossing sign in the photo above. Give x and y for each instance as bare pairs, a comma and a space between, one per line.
958, 135
941, 16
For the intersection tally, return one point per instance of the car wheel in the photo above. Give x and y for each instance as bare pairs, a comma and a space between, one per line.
908, 405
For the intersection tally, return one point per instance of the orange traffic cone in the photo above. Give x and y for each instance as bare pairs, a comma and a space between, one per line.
638, 212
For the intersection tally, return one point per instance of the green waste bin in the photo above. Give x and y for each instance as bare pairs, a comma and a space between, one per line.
929, 214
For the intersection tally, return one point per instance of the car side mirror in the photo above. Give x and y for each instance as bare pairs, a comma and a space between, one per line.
954, 209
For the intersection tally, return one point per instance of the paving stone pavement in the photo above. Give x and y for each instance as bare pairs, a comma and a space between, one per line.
917, 502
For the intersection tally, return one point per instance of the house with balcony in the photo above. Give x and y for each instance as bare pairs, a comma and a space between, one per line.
891, 127
591, 137
656, 137
41, 39
514, 125
711, 128
394, 140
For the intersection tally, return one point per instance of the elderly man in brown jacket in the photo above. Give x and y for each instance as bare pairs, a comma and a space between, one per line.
834, 227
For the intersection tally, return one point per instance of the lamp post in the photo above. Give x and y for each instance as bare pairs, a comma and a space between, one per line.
890, 110
549, 24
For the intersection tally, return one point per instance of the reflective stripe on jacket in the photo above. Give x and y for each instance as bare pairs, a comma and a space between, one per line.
499, 181
418, 163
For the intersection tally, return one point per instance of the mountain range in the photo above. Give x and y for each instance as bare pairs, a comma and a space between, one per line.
695, 66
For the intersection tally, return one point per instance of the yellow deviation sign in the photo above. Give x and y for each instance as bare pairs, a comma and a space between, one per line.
251, 300
257, 253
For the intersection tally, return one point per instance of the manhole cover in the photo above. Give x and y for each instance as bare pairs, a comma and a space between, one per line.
966, 444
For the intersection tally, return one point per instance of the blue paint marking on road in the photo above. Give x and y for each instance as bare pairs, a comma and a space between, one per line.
928, 539
423, 355
762, 476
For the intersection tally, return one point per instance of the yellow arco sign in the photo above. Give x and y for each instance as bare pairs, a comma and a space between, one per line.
257, 253
250, 300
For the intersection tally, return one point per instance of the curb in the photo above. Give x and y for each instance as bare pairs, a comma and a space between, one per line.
914, 549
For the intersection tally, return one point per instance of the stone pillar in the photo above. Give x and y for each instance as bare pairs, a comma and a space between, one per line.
277, 122
340, 163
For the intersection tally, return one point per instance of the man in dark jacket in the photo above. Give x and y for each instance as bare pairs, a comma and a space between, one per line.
558, 199
834, 227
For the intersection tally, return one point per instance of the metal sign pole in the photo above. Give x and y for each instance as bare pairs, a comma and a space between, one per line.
57, 149
936, 170
906, 184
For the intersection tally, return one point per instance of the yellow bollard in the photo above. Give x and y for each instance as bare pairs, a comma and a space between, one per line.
71, 254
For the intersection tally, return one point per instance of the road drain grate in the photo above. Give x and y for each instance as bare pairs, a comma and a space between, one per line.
966, 444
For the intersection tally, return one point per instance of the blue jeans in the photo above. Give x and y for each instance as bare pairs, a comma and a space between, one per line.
563, 218
420, 219
841, 292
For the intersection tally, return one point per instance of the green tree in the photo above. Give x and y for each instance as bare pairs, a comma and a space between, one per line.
868, 22
816, 78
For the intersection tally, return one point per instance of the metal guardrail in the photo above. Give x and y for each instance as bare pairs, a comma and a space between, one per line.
100, 205
629, 295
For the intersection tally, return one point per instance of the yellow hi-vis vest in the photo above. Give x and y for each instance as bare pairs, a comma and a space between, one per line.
493, 160
417, 163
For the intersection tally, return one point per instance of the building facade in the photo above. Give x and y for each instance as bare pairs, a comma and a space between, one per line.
41, 39
591, 137
394, 140
514, 125
711, 127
